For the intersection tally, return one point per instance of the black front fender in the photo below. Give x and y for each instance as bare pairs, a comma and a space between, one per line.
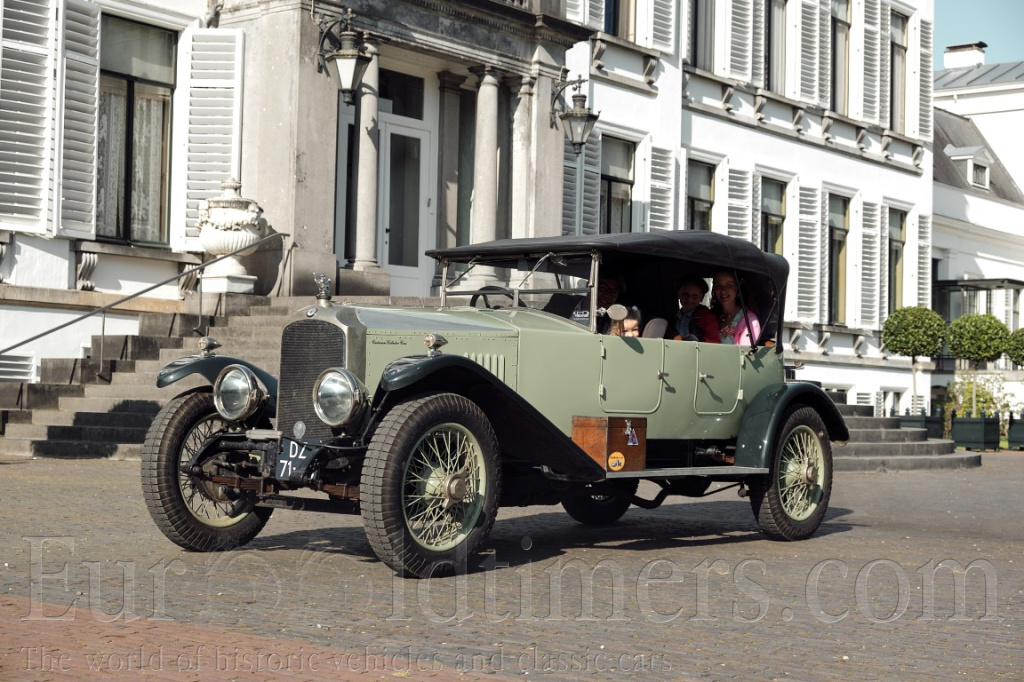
209, 366
761, 421
523, 432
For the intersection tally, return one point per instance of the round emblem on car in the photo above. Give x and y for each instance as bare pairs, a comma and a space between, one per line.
616, 461
299, 429
311, 312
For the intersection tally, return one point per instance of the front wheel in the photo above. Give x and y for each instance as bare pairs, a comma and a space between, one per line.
430, 485
791, 503
191, 511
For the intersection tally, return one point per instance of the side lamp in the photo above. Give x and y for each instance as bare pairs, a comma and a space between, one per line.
341, 53
577, 122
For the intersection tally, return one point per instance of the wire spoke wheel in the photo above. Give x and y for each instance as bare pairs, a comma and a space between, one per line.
209, 503
790, 503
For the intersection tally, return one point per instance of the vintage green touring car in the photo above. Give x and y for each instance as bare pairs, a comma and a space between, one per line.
426, 420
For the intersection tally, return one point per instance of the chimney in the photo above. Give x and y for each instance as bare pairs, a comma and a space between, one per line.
966, 55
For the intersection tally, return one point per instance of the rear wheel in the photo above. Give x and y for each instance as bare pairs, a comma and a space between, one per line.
791, 503
604, 506
430, 485
191, 511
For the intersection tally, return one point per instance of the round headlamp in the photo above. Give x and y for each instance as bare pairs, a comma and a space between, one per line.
338, 396
237, 393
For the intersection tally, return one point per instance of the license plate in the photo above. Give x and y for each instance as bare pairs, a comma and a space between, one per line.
294, 460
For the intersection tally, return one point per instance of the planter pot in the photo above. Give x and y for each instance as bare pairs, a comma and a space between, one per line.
976, 433
1015, 437
931, 424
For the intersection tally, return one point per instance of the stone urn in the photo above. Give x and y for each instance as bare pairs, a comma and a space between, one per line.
229, 222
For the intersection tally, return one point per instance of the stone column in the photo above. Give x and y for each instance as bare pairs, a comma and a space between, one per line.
368, 146
450, 86
485, 158
522, 157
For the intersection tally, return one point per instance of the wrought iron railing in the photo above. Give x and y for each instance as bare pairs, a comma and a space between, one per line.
103, 310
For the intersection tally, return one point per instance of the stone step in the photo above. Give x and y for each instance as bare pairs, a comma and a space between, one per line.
110, 433
916, 449
872, 422
131, 420
19, 447
955, 460
856, 410
150, 407
36, 396
887, 435
126, 347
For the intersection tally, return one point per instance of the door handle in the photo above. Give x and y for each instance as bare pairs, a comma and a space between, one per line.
704, 377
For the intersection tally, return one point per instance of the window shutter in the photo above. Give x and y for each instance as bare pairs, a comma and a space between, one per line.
80, 64
925, 94
758, 42
872, 59
883, 264
809, 51
26, 114
739, 204
570, 195
924, 261
825, 54
755, 210
823, 244
590, 202
596, 12
869, 272
207, 131
809, 263
740, 38
663, 168
574, 11
663, 25
883, 66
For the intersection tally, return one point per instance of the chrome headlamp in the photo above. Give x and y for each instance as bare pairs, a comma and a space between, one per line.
338, 396
238, 393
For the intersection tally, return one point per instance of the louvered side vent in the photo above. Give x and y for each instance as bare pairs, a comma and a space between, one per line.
809, 262
570, 180
809, 51
869, 273
495, 364
213, 108
924, 262
662, 189
307, 349
739, 204
24, 112
925, 94
663, 25
741, 32
79, 119
872, 59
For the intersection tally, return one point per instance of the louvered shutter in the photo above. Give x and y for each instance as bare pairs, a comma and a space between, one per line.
870, 95
575, 11
596, 13
663, 167
869, 273
924, 261
739, 204
825, 52
755, 210
740, 38
207, 132
925, 92
883, 264
26, 114
663, 25
825, 281
809, 51
809, 264
759, 40
884, 74
77, 132
570, 194
590, 202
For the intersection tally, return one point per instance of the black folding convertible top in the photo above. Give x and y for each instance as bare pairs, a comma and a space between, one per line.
699, 252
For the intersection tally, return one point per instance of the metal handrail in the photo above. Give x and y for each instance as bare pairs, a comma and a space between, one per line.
125, 299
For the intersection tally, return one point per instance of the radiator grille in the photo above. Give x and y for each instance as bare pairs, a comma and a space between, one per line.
307, 348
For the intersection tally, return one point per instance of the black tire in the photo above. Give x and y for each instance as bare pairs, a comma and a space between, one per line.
791, 502
430, 485
600, 508
192, 513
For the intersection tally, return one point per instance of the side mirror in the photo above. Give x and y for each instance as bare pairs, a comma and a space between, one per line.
616, 311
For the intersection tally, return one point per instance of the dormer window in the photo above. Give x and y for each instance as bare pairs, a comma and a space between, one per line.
979, 175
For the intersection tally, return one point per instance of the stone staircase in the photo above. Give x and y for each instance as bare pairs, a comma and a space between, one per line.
82, 408
879, 444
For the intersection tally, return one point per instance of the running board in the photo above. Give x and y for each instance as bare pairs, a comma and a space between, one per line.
688, 471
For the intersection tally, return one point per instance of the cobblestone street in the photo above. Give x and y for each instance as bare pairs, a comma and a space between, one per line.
688, 591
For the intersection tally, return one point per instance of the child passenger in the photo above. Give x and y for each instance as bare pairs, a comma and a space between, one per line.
628, 326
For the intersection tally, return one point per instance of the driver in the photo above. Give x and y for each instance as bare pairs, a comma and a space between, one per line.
609, 286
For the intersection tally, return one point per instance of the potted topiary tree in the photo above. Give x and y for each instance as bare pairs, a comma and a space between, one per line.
977, 338
914, 332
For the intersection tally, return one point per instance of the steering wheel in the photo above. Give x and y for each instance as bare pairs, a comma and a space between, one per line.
489, 291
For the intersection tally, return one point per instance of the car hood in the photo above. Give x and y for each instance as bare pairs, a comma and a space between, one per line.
463, 319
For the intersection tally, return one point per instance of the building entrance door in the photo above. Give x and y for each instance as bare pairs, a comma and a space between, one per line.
405, 208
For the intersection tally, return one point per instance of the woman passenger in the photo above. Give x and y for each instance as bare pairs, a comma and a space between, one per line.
736, 324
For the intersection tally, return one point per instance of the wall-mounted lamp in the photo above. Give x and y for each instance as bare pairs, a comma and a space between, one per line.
578, 121
341, 53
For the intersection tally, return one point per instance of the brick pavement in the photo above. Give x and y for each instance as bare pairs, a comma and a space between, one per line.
687, 590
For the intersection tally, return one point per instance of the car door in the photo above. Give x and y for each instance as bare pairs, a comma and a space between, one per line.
631, 374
